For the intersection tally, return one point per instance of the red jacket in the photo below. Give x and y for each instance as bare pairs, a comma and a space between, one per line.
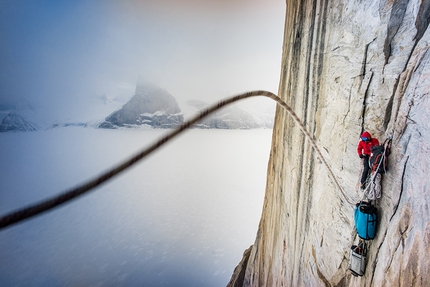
366, 147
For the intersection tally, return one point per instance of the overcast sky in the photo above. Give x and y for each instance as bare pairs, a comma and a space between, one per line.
64, 51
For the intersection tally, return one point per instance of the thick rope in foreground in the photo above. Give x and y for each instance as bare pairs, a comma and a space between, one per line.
35, 209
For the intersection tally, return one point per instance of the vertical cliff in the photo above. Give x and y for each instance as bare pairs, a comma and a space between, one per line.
347, 66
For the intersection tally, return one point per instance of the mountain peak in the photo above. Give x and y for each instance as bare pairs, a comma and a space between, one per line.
150, 106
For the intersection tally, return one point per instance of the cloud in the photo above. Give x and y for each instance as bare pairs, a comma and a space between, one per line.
57, 51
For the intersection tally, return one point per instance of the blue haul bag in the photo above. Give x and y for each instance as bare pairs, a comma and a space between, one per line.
365, 216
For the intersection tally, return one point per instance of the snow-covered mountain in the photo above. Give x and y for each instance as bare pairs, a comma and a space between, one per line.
151, 106
23, 118
230, 117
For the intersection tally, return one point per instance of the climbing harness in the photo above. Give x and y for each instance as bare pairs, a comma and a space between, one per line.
37, 208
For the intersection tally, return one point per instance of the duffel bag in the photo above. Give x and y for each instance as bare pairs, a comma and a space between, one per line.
365, 216
357, 259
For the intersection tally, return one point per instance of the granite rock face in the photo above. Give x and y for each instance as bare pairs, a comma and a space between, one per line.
348, 66
151, 106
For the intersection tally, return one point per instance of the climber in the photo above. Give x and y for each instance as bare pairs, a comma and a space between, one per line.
364, 150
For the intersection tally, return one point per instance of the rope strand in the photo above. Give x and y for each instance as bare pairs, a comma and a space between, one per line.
45, 205
371, 178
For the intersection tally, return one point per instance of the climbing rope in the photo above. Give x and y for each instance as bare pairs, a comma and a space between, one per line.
371, 178
38, 208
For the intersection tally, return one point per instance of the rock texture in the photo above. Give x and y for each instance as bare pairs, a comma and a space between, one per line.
348, 66
151, 106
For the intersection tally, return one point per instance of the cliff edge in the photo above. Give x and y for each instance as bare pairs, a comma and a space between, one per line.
347, 66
